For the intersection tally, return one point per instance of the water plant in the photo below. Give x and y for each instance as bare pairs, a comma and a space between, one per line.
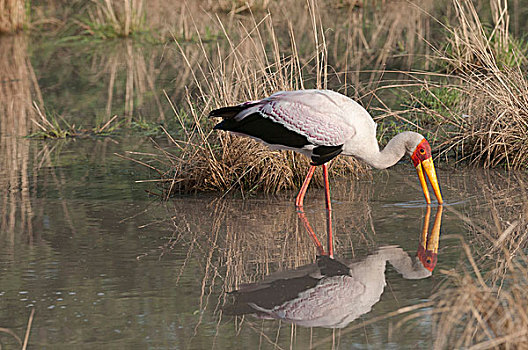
52, 126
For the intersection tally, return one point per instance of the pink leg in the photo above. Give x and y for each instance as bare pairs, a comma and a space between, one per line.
304, 187
311, 233
330, 242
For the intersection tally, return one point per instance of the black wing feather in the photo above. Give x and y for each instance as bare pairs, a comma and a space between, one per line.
229, 112
259, 126
323, 154
265, 129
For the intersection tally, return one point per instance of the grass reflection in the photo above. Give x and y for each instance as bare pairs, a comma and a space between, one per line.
481, 303
238, 242
18, 90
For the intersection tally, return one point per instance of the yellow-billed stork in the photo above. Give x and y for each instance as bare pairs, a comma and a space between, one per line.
322, 124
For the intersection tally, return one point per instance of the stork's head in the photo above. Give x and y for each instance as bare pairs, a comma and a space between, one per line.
420, 152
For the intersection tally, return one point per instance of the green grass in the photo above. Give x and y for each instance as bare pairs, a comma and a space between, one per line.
53, 126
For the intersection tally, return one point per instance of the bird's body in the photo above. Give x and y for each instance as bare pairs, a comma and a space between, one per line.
317, 123
320, 124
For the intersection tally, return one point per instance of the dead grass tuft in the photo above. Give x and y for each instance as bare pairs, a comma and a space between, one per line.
488, 122
209, 161
480, 315
251, 67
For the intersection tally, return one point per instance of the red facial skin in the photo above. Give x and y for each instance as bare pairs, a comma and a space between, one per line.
421, 153
427, 258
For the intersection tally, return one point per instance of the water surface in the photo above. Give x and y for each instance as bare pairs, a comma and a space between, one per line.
104, 265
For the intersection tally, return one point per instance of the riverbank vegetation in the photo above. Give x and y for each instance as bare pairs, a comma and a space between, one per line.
470, 102
455, 74
482, 108
453, 70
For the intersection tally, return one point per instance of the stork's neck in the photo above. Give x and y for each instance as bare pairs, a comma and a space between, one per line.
408, 267
392, 153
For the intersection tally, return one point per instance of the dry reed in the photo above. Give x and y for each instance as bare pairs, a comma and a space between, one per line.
13, 15
474, 314
486, 119
251, 67
10, 332
110, 18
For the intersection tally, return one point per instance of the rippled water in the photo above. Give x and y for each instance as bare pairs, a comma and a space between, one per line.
105, 266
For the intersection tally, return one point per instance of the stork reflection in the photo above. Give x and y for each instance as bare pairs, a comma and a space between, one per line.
330, 293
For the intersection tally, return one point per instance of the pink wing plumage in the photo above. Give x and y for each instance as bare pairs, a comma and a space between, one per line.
316, 114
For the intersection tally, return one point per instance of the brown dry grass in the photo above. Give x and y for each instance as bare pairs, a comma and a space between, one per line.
13, 15
481, 304
488, 123
251, 67
474, 313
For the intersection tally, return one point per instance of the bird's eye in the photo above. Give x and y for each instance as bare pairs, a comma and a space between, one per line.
422, 151
428, 261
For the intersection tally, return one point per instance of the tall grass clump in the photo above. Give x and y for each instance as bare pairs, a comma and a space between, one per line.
482, 305
473, 314
13, 15
252, 64
486, 70
109, 19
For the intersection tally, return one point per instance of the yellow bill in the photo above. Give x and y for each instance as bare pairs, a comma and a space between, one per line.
425, 169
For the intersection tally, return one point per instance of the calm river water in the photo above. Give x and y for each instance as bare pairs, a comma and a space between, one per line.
105, 266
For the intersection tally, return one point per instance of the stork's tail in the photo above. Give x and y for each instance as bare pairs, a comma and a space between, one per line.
231, 111
228, 114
